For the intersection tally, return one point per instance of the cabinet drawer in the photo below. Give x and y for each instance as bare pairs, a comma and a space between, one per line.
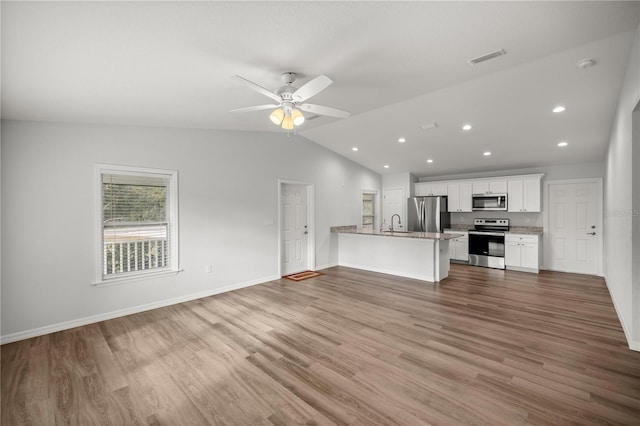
465, 234
521, 238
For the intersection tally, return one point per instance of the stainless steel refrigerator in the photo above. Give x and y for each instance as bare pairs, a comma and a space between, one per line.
428, 214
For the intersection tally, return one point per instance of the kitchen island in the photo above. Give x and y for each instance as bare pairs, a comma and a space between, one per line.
419, 255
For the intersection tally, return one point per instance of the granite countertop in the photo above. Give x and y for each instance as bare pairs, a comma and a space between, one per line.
529, 230
352, 229
460, 227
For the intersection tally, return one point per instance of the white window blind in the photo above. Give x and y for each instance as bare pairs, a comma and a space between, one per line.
138, 222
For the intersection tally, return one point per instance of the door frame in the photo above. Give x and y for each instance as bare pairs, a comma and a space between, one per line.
377, 208
311, 237
599, 219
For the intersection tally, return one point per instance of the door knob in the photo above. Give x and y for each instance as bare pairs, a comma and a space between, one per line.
591, 233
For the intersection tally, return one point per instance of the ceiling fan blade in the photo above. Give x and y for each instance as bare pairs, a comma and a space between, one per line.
312, 88
255, 108
323, 110
260, 89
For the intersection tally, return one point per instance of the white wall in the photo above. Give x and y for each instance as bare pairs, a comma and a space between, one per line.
228, 189
400, 180
619, 210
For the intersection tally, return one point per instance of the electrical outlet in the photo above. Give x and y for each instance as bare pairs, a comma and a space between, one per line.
209, 269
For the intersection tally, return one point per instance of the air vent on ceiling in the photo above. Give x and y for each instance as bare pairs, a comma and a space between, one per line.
429, 126
488, 56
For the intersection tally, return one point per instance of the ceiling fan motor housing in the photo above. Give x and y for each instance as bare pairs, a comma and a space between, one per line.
286, 91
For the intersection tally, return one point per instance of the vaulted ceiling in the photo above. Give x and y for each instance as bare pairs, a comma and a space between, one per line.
396, 66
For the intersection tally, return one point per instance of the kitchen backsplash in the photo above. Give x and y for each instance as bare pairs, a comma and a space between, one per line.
516, 219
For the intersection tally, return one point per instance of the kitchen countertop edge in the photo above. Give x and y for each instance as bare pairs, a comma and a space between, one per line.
352, 229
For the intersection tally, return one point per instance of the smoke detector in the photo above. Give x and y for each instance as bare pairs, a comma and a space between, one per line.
586, 63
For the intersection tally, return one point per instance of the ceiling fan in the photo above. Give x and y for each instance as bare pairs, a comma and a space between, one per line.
290, 100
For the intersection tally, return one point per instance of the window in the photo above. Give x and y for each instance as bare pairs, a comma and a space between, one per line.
138, 222
368, 210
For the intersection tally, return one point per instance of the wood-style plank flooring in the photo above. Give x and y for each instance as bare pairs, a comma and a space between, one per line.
484, 347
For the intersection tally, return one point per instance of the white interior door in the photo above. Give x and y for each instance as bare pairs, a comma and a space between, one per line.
573, 236
394, 202
295, 229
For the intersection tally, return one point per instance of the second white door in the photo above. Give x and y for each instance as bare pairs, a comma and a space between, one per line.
295, 229
574, 238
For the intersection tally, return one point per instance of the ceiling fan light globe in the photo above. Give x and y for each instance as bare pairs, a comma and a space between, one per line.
287, 123
277, 116
297, 117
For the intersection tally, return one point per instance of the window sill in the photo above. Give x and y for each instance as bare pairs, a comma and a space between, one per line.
135, 277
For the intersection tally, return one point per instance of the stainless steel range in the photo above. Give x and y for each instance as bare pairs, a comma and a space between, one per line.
486, 242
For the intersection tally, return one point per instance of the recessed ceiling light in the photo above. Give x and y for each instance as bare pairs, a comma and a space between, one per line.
563, 143
486, 153
386, 166
429, 160
355, 148
466, 127
559, 108
402, 140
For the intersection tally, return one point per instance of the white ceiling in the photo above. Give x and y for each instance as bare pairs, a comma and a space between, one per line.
395, 66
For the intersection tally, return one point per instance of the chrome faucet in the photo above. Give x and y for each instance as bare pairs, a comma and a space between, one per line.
399, 222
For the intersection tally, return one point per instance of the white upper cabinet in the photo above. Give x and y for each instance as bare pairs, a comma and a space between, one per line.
524, 194
426, 189
459, 197
490, 187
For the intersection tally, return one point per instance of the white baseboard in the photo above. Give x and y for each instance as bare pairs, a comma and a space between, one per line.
388, 272
633, 344
27, 334
326, 266
521, 269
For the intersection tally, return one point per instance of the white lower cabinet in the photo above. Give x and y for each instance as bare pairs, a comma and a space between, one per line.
522, 252
459, 247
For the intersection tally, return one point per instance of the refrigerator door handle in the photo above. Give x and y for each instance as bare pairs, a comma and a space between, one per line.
422, 218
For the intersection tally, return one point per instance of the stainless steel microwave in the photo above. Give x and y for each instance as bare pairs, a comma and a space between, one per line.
489, 202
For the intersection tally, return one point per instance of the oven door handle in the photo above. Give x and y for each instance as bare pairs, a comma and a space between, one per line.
493, 234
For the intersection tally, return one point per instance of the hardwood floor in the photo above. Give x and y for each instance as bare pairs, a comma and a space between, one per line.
485, 347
